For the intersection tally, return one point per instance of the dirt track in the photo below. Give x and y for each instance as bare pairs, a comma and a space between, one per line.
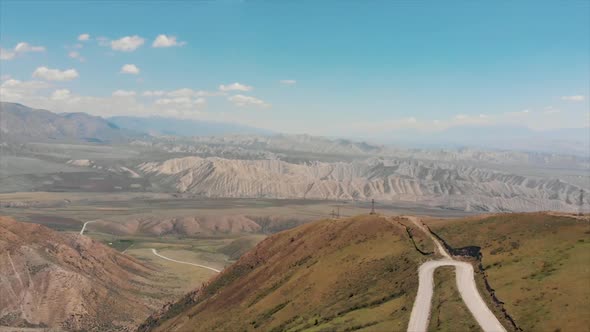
465, 278
181, 262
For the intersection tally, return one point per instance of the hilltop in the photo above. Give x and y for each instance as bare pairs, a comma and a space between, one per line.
330, 274
361, 273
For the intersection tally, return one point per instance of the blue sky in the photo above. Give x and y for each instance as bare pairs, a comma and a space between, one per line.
348, 67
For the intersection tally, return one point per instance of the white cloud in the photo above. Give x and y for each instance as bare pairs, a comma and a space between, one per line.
23, 47
15, 90
55, 74
155, 93
36, 94
235, 87
575, 98
6, 54
184, 102
183, 92
33, 85
123, 93
167, 41
76, 55
127, 44
20, 48
551, 110
84, 37
129, 69
288, 82
245, 101
61, 94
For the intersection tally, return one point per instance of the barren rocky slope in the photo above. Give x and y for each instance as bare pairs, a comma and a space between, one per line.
434, 183
66, 281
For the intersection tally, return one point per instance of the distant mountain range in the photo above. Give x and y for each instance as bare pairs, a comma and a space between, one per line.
19, 122
159, 126
505, 137
22, 123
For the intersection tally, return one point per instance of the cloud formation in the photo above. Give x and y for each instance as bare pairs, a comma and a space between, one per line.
84, 37
61, 94
129, 69
167, 41
245, 101
183, 102
127, 44
123, 93
155, 93
288, 82
184, 92
55, 74
76, 55
574, 98
235, 87
20, 48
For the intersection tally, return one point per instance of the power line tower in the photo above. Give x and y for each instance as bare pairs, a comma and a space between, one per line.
373, 207
581, 202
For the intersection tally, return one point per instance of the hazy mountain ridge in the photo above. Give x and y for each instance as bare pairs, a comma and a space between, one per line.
161, 126
21, 123
387, 180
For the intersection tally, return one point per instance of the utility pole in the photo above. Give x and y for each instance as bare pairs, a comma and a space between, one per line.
581, 211
338, 212
333, 215
373, 207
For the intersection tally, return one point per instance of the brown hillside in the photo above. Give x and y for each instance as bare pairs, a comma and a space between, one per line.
185, 225
331, 275
52, 279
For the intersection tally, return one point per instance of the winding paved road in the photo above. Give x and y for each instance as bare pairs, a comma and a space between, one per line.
465, 278
181, 262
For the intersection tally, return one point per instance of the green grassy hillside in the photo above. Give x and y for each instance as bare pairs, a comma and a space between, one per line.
538, 264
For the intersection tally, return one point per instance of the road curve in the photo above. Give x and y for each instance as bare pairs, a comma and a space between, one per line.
465, 279
420, 316
84, 226
181, 262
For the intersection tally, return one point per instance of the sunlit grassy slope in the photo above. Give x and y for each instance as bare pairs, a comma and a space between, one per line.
539, 265
353, 274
